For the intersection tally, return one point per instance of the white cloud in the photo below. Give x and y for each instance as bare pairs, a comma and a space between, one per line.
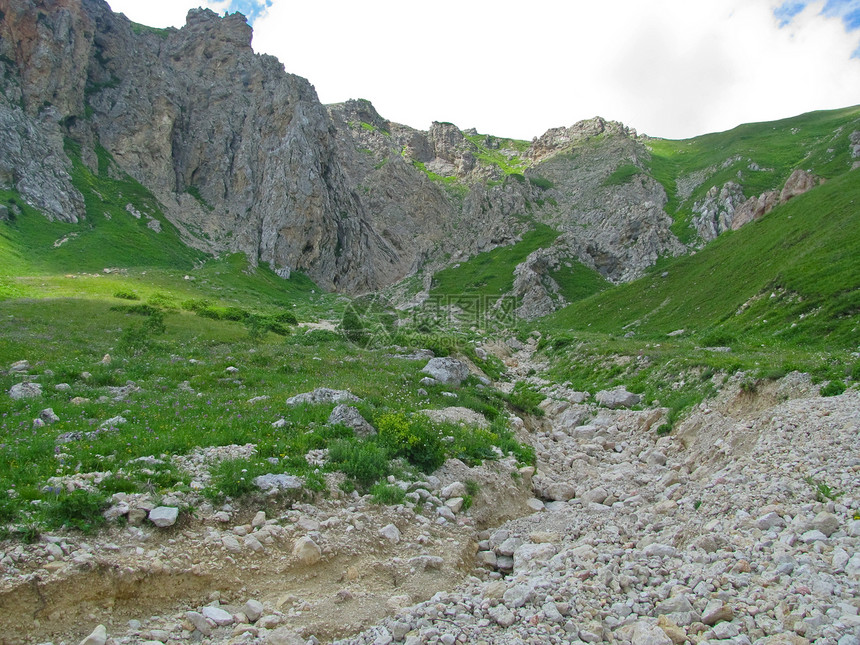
672, 68
164, 13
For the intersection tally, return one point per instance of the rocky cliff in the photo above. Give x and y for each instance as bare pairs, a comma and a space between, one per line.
243, 156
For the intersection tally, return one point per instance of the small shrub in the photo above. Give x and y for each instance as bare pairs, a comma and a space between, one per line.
119, 484
664, 429
541, 182
472, 487
823, 492
413, 438
286, 317
195, 304
315, 482
257, 327
126, 295
526, 399
364, 462
387, 494
833, 388
468, 500
79, 509
236, 314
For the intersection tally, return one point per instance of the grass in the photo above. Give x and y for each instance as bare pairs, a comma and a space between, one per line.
790, 277
491, 273
818, 141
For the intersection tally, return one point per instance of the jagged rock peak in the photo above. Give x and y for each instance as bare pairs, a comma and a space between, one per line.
557, 140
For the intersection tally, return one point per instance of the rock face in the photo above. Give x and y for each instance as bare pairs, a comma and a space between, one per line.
243, 157
726, 208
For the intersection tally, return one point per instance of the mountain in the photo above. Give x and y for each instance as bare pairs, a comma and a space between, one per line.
221, 148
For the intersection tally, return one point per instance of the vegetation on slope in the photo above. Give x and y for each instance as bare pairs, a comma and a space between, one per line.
758, 156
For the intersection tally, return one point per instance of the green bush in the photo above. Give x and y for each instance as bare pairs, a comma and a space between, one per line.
387, 494
541, 182
79, 509
526, 399
365, 462
126, 295
286, 317
413, 438
833, 388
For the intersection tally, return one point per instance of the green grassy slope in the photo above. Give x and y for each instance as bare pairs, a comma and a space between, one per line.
818, 142
793, 276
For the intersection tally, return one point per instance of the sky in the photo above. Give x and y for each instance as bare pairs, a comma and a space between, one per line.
668, 68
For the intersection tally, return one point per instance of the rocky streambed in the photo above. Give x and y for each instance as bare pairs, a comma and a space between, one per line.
741, 526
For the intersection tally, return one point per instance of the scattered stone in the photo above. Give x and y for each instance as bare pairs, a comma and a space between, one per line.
717, 611
306, 550
645, 633
217, 616
390, 533
616, 398
825, 522
19, 367
503, 616
283, 636
450, 371
47, 416
25, 391
458, 415
322, 395
349, 416
199, 621
232, 370
253, 609
113, 422
97, 637
164, 516
271, 483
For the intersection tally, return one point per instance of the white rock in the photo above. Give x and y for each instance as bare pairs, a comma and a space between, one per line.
455, 489
217, 616
25, 391
503, 616
660, 550
98, 637
306, 550
450, 371
164, 516
199, 621
390, 533
253, 609
646, 634
230, 543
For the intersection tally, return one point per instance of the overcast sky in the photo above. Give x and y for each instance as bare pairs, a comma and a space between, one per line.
669, 68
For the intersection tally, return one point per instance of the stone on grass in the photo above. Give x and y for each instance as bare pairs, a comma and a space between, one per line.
322, 395
270, 483
47, 415
459, 415
25, 391
20, 366
450, 371
164, 516
349, 416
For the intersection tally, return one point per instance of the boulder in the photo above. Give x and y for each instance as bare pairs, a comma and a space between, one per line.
164, 516
25, 391
349, 416
306, 550
97, 637
322, 395
618, 397
450, 371
457, 414
270, 483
